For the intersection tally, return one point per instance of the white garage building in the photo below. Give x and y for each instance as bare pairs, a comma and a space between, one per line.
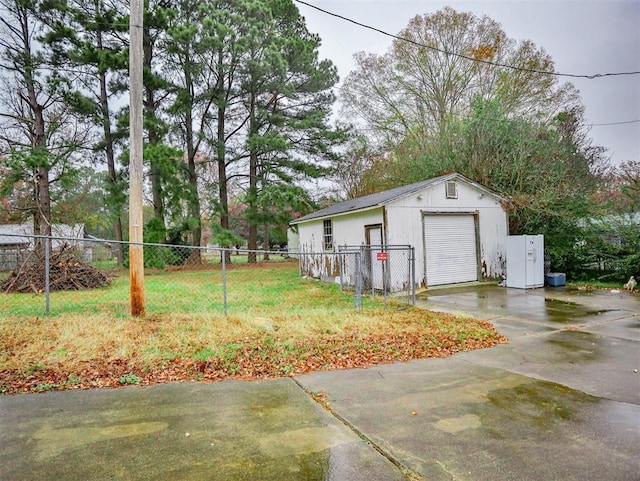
457, 227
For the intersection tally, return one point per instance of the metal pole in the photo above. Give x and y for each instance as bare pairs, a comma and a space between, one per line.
224, 280
384, 283
413, 274
47, 274
371, 265
408, 276
136, 250
358, 273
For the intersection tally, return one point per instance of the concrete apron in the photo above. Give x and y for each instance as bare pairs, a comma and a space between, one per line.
561, 401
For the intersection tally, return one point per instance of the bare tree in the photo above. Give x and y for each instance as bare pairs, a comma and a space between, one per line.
434, 77
38, 133
21, 59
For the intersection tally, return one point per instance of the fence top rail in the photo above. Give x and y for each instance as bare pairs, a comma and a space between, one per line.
324, 253
95, 240
340, 249
386, 247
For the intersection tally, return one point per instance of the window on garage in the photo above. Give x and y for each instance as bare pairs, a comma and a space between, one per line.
451, 189
327, 228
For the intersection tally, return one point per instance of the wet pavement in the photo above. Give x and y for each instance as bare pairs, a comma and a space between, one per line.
233, 430
561, 401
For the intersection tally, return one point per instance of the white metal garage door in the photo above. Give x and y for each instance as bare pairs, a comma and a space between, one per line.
450, 249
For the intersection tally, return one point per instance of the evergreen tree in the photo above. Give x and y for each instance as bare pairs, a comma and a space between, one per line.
288, 98
85, 39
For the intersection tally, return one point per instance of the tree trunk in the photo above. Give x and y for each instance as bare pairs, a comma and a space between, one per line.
42, 216
194, 199
111, 162
150, 108
43, 199
265, 243
253, 186
221, 151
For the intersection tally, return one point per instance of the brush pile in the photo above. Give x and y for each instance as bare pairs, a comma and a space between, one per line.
66, 273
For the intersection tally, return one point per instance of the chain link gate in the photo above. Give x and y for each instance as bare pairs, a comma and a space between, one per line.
378, 269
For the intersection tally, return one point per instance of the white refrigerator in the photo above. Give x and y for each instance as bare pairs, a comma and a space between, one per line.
525, 261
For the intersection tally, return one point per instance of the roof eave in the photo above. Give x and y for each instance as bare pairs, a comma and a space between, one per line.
444, 178
338, 214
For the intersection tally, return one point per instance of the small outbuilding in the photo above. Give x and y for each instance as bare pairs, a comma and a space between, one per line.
457, 227
17, 241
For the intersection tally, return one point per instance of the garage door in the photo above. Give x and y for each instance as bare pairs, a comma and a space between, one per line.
450, 249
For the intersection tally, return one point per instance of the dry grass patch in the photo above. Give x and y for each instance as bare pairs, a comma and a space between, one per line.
72, 352
312, 326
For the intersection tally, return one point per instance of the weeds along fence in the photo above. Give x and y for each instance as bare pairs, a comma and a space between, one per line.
378, 270
179, 279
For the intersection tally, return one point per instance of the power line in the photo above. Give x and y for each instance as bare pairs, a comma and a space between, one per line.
625, 122
617, 123
488, 62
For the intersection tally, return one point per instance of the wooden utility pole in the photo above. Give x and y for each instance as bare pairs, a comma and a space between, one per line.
136, 251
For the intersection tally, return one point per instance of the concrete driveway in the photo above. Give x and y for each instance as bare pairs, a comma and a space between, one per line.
561, 401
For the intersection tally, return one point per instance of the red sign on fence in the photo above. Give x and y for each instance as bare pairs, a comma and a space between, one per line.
382, 256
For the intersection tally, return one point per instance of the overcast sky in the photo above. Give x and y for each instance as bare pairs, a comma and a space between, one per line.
582, 36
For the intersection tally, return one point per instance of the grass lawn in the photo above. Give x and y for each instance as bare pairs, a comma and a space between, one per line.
595, 284
278, 325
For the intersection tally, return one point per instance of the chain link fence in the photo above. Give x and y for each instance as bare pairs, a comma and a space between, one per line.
180, 278
376, 270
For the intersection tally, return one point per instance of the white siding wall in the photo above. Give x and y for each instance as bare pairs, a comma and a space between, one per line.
404, 226
404, 223
347, 230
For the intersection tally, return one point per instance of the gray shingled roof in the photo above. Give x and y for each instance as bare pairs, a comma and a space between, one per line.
373, 200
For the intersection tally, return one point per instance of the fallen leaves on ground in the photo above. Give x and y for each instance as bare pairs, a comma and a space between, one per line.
589, 287
262, 356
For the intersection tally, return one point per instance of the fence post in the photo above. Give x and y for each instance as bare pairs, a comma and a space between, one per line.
358, 273
372, 267
384, 280
47, 276
413, 274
